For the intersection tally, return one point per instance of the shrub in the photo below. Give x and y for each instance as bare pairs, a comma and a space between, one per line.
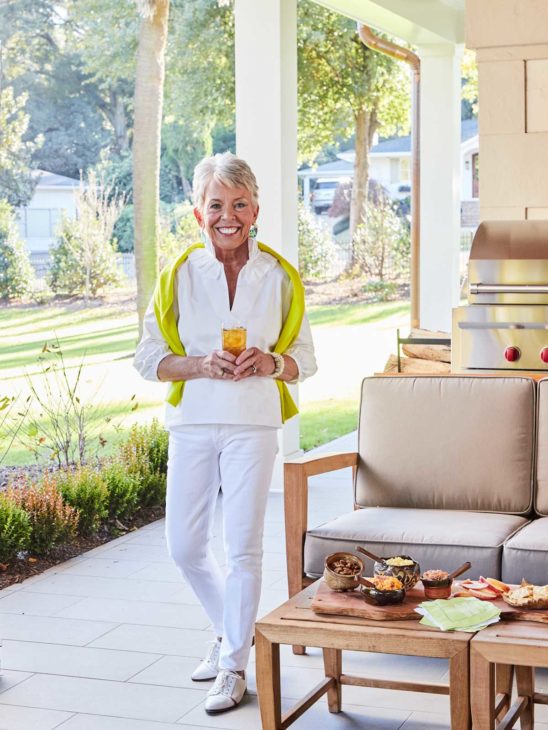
316, 248
52, 522
16, 273
381, 291
85, 489
144, 455
124, 491
179, 231
61, 424
381, 245
15, 530
84, 260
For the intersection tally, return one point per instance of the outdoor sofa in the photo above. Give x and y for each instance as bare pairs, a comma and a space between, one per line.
448, 469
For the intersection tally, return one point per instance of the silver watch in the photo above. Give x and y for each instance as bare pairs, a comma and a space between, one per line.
279, 365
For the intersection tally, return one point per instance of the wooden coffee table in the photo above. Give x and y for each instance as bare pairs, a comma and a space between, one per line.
295, 623
521, 644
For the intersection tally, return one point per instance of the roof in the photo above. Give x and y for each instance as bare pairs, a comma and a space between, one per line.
338, 168
51, 180
395, 145
468, 129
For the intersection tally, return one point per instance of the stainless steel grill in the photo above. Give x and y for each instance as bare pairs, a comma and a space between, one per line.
505, 325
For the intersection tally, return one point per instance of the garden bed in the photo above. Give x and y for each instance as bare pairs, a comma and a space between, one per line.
49, 515
18, 570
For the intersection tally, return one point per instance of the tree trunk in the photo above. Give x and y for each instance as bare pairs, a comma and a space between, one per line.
119, 122
361, 172
149, 88
366, 126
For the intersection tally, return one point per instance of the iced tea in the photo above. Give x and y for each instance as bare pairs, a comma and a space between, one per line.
234, 339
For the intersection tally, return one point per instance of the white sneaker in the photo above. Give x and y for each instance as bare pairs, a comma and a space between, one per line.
226, 693
208, 668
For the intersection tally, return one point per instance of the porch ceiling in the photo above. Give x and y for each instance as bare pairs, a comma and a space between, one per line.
419, 22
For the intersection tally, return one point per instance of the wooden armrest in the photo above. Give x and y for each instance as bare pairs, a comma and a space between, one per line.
323, 463
296, 474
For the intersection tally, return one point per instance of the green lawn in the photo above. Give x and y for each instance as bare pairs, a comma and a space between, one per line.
104, 337
323, 421
341, 315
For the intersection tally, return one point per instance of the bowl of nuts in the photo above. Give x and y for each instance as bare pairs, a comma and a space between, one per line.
342, 571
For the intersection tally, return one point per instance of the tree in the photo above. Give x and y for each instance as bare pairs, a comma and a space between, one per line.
344, 89
84, 261
16, 182
45, 58
149, 88
470, 80
16, 273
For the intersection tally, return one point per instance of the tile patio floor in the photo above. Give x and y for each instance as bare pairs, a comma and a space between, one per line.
107, 641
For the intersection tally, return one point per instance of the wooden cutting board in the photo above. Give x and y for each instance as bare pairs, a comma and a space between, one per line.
352, 603
512, 613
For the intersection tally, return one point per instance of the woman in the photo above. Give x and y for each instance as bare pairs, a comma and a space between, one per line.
224, 409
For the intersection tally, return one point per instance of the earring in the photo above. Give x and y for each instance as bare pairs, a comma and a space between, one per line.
253, 231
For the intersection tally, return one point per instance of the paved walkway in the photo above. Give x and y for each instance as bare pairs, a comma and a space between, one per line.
107, 641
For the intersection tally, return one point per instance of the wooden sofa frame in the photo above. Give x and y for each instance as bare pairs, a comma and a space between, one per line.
296, 475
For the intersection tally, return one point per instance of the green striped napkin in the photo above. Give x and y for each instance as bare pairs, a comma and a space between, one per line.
458, 614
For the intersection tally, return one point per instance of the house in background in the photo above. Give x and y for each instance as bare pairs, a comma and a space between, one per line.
390, 165
53, 197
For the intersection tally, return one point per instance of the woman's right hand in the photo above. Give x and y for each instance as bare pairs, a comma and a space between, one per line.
219, 365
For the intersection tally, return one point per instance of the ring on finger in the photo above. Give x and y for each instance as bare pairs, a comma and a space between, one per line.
253, 368
223, 372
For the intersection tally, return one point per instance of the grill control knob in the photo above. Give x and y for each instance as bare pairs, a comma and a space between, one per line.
512, 354
544, 354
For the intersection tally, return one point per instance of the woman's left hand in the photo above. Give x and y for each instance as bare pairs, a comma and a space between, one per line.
254, 362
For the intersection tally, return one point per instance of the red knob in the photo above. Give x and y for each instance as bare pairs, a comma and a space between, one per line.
544, 354
512, 354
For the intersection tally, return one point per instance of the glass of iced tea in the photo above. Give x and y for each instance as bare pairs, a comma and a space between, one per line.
234, 337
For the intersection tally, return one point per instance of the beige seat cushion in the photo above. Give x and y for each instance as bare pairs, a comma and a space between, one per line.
541, 500
463, 442
435, 538
525, 555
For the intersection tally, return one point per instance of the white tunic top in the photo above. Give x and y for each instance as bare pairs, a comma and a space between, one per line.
261, 304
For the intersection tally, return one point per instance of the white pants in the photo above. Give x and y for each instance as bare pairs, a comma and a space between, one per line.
240, 459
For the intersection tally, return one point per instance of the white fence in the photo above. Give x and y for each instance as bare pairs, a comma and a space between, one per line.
41, 263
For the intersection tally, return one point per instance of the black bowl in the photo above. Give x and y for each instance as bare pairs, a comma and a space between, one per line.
383, 598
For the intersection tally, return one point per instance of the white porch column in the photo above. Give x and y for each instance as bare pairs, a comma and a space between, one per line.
266, 133
440, 184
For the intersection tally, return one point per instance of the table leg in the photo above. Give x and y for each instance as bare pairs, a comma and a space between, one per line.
267, 658
459, 690
482, 682
332, 661
504, 674
525, 680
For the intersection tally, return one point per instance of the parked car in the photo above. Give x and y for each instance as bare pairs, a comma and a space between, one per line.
323, 194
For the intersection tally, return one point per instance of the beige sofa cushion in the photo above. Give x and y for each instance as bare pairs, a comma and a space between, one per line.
525, 555
435, 538
461, 443
541, 501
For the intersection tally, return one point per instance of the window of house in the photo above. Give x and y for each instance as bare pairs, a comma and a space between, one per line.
405, 169
394, 170
39, 222
475, 175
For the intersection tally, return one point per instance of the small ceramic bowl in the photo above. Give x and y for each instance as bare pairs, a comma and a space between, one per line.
407, 574
383, 598
338, 582
437, 588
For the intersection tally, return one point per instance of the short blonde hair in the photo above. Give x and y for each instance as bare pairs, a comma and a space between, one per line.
227, 169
